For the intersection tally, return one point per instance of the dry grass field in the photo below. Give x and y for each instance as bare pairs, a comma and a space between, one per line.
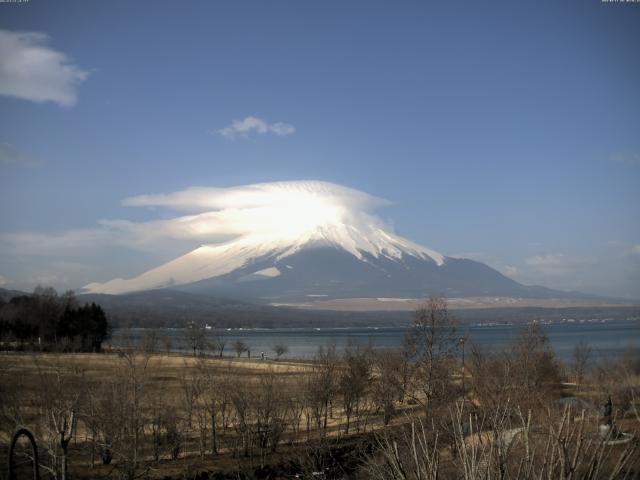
365, 414
185, 388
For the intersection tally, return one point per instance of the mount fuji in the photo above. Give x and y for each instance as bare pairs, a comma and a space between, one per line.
302, 241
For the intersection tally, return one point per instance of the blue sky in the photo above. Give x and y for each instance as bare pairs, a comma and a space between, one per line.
501, 131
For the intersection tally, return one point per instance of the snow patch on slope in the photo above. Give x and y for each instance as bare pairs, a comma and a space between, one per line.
268, 272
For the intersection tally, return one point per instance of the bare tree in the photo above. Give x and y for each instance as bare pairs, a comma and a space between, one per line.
156, 409
215, 397
321, 385
619, 377
240, 347
218, 342
413, 454
387, 383
581, 358
490, 376
280, 349
60, 398
270, 414
191, 386
88, 416
354, 382
163, 424
431, 344
499, 445
535, 370
120, 412
196, 336
240, 400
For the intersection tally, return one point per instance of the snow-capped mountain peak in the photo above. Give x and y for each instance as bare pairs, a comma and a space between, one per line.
292, 241
215, 260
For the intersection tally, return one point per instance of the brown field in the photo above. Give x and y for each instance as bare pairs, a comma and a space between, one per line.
173, 416
171, 379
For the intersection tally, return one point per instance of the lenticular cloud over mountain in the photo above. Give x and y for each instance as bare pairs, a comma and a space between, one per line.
256, 195
291, 242
258, 222
281, 209
265, 207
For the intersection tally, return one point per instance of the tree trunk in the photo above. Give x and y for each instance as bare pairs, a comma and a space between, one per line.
214, 438
63, 475
326, 414
93, 448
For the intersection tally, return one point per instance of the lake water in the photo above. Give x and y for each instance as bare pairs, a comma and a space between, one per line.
606, 338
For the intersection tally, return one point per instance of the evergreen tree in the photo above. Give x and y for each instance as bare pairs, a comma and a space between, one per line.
47, 319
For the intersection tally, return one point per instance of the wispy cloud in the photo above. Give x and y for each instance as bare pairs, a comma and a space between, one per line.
245, 127
624, 249
3, 280
31, 70
9, 155
547, 259
480, 256
556, 264
70, 243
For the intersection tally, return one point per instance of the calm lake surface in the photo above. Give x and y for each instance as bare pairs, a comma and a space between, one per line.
606, 338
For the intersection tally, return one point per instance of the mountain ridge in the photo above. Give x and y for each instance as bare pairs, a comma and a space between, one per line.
215, 260
329, 255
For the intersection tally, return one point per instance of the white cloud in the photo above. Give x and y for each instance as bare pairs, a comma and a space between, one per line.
203, 199
31, 70
215, 214
243, 128
221, 213
635, 249
3, 280
11, 156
